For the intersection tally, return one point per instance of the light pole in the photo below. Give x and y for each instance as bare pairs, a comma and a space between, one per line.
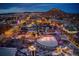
32, 50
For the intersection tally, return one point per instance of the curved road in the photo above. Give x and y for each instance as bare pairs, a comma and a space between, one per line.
15, 29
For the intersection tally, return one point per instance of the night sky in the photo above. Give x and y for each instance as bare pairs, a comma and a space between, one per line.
38, 7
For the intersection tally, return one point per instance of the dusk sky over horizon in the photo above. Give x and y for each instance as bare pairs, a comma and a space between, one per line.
38, 7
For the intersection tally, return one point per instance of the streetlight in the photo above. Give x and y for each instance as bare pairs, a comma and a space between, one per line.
32, 49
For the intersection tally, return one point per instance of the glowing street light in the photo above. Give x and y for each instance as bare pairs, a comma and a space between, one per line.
32, 49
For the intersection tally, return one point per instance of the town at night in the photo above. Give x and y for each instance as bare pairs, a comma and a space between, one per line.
39, 29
